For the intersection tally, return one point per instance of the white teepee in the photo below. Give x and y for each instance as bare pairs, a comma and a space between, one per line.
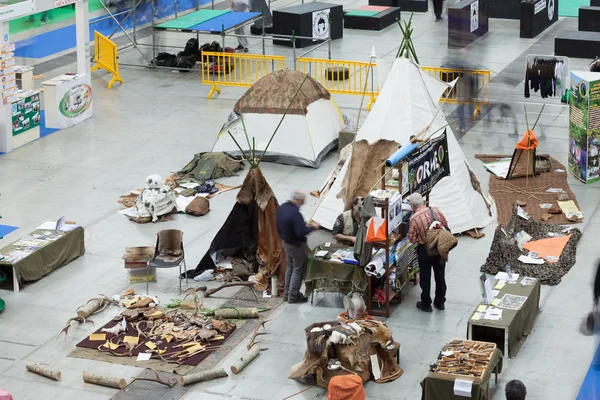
406, 105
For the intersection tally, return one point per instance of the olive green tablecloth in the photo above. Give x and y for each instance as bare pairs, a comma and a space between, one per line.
519, 323
438, 386
49, 257
324, 275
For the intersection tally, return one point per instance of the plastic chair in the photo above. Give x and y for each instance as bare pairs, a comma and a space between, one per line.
168, 253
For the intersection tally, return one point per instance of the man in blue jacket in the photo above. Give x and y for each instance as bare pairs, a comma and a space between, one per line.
293, 230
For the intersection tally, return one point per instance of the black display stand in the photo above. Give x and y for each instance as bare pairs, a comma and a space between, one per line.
595, 3
299, 20
459, 24
589, 19
577, 44
405, 5
375, 23
537, 16
505, 9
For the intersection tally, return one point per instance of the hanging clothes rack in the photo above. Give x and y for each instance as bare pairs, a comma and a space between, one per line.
547, 75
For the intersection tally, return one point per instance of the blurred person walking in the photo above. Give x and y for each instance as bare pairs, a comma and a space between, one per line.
241, 6
438, 7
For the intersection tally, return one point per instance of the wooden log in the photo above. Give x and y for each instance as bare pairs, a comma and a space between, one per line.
103, 380
203, 376
240, 364
229, 313
44, 370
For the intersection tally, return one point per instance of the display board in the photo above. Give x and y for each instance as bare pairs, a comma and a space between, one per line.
428, 164
584, 126
25, 113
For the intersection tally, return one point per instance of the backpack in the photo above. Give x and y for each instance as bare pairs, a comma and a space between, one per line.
187, 58
439, 239
165, 60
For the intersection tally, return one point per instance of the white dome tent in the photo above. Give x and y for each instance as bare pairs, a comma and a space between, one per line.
407, 104
308, 132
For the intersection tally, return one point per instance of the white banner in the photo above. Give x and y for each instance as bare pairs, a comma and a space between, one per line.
320, 25
539, 6
74, 101
474, 16
12, 11
61, 3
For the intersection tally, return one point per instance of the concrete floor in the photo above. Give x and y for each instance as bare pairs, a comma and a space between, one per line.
156, 122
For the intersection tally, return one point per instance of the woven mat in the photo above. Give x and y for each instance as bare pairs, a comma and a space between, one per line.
530, 190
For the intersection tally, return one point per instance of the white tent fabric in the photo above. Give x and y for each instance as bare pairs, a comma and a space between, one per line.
406, 105
300, 140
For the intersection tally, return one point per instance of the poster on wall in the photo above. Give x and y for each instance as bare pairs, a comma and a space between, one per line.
474, 15
551, 10
25, 114
394, 213
74, 103
428, 164
539, 6
320, 25
584, 128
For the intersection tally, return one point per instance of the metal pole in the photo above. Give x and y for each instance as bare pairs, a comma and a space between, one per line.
212, 1
329, 40
263, 31
294, 48
223, 35
153, 32
175, 7
134, 25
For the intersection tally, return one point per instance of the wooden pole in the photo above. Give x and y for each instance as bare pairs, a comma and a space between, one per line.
228, 313
43, 370
203, 376
104, 380
246, 359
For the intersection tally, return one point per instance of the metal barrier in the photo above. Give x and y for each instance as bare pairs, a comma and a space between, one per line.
472, 86
342, 77
106, 57
241, 70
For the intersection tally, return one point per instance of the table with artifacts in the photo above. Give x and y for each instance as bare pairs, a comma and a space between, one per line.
41, 252
332, 268
510, 316
463, 370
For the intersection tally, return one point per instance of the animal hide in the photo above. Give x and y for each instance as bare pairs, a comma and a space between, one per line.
354, 355
156, 199
365, 168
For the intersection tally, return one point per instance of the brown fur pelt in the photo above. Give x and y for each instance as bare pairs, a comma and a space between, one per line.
255, 187
365, 168
354, 355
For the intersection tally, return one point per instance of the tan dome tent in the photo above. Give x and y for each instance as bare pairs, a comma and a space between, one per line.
308, 132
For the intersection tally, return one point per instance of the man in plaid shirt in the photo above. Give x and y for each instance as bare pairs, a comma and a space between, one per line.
417, 233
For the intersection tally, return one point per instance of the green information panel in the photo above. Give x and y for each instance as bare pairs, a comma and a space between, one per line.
584, 127
25, 114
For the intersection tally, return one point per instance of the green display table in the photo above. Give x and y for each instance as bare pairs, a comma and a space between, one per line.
437, 386
323, 275
31, 262
515, 325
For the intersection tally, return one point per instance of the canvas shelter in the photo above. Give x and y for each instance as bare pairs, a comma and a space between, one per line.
308, 132
250, 230
407, 104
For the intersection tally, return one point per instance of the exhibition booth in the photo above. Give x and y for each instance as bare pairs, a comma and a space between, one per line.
67, 99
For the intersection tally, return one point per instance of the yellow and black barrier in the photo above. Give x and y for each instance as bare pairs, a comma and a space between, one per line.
343, 77
233, 69
472, 86
106, 57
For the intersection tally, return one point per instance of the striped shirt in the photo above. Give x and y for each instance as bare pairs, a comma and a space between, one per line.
420, 221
